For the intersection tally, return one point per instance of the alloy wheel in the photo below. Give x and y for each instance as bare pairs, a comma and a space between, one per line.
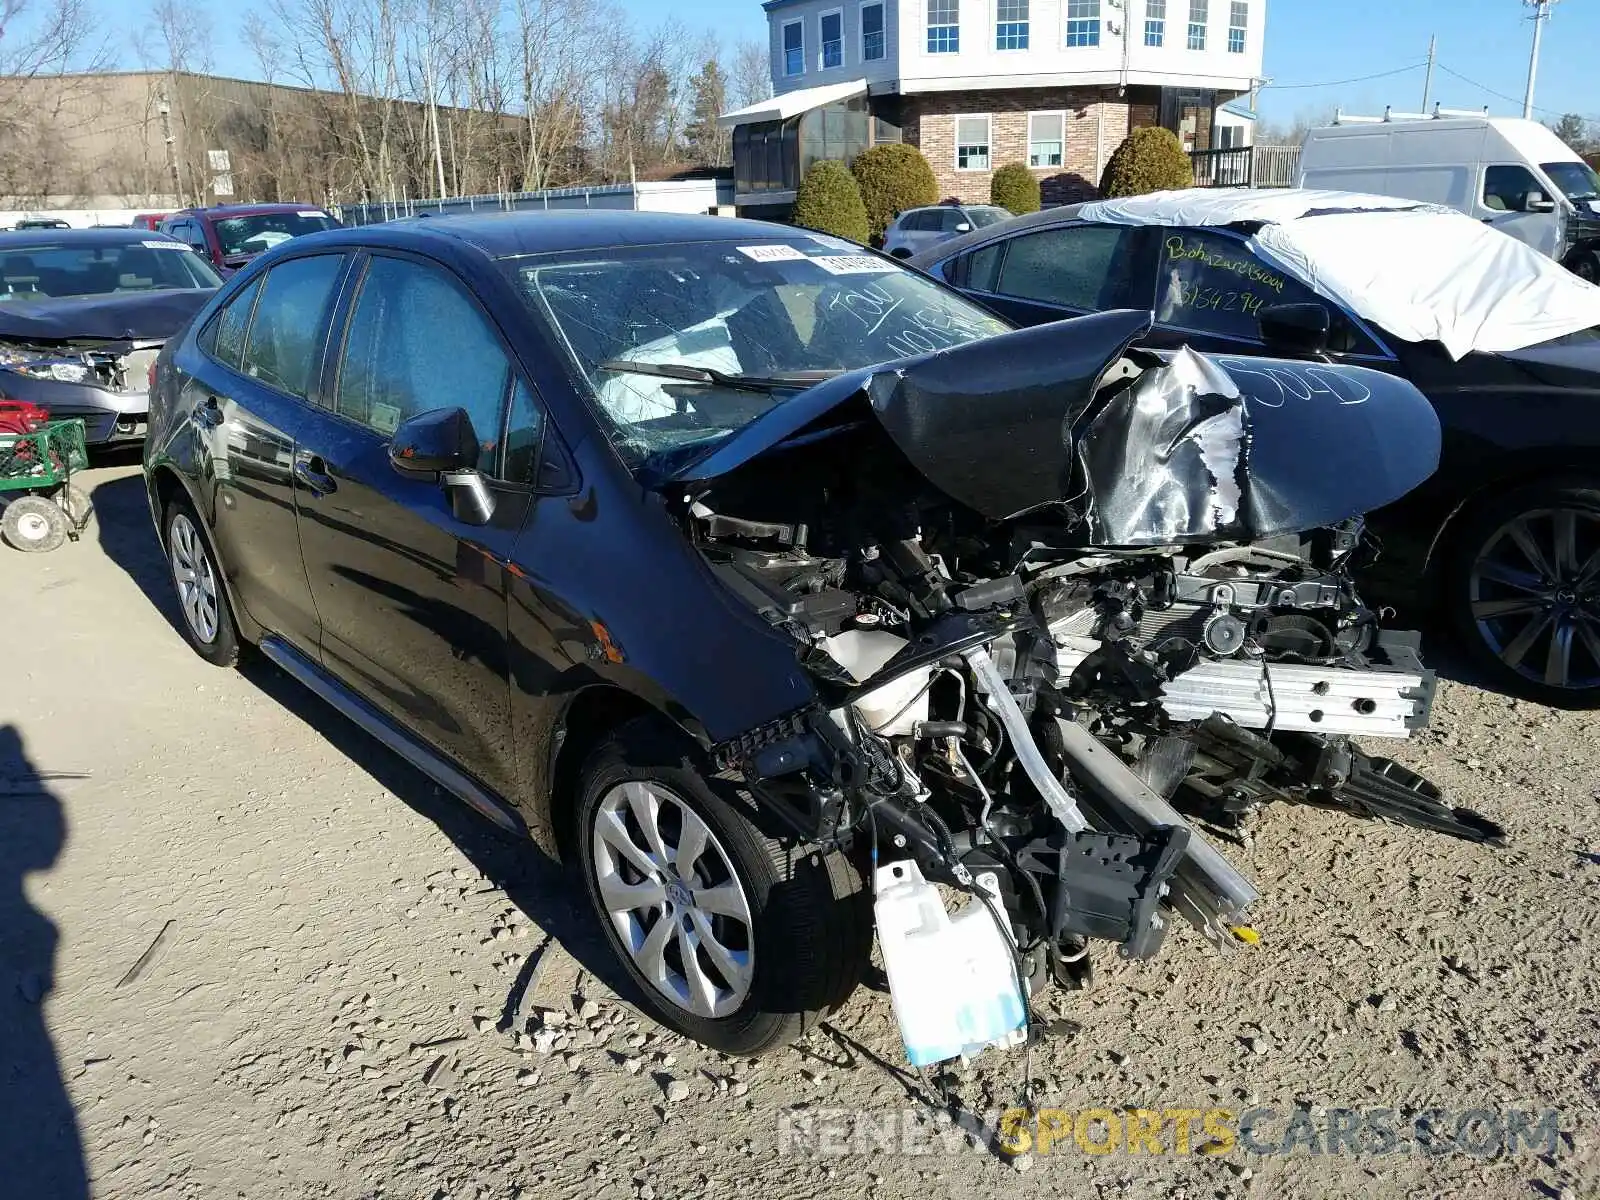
196, 583
1535, 596
670, 891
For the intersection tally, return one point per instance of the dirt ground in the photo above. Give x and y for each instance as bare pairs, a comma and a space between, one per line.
355, 995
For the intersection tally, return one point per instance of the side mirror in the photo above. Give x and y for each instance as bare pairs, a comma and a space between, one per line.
441, 444
1538, 202
1296, 328
963, 228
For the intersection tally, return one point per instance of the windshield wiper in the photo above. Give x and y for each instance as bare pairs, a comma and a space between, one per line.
711, 377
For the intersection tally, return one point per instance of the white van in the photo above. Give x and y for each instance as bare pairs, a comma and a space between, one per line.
1513, 174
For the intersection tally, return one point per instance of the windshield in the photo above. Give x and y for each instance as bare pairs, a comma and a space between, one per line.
1576, 179
52, 271
987, 216
252, 235
762, 322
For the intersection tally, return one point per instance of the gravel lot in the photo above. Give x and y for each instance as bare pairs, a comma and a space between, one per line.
341, 1005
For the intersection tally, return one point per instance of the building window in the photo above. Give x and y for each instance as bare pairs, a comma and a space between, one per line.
972, 143
1046, 139
872, 47
1238, 24
794, 48
1228, 137
832, 39
1197, 24
1155, 22
944, 26
1011, 25
1083, 22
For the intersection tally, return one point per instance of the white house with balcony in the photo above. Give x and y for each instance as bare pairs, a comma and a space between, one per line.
975, 84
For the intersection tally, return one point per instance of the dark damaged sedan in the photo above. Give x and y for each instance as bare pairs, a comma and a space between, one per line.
83, 314
759, 576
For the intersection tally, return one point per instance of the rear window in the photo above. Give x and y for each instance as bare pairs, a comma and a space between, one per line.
262, 231
98, 269
982, 217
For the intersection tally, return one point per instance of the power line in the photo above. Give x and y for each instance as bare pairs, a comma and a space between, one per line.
1288, 87
1511, 99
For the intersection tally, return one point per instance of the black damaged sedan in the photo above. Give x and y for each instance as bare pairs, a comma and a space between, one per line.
732, 563
1503, 543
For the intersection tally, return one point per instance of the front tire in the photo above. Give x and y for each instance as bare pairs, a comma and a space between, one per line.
207, 619
732, 938
1523, 592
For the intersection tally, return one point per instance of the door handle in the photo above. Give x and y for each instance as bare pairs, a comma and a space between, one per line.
312, 471
207, 415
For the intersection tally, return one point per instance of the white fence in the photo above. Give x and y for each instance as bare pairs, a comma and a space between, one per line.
673, 196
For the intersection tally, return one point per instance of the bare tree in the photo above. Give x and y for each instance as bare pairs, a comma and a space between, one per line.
46, 97
751, 80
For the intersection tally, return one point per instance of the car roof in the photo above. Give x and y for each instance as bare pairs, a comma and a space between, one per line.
1188, 207
104, 235
508, 234
247, 210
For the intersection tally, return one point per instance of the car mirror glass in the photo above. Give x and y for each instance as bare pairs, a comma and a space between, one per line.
1296, 329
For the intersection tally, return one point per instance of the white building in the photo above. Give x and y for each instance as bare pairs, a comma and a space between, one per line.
975, 84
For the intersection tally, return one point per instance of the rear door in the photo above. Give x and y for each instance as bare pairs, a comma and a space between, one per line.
1054, 273
251, 395
413, 601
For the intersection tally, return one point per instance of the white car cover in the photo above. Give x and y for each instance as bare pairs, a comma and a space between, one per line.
1419, 271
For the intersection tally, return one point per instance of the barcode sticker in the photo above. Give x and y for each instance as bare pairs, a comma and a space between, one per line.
854, 264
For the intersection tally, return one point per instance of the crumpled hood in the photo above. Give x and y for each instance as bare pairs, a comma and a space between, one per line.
122, 316
1197, 448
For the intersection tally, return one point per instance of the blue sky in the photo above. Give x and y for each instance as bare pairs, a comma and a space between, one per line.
1309, 42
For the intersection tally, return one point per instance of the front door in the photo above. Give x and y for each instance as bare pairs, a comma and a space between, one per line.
413, 600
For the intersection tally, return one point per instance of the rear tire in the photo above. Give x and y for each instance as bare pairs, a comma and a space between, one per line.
755, 940
203, 600
1522, 591
34, 524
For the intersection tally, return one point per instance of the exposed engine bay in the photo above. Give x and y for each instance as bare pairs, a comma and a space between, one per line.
1043, 696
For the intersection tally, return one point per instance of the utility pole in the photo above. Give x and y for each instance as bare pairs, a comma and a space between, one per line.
164, 107
1427, 83
1541, 14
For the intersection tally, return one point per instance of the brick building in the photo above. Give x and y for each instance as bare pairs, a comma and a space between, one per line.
976, 84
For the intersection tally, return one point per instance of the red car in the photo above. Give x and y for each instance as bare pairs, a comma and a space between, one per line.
231, 235
148, 221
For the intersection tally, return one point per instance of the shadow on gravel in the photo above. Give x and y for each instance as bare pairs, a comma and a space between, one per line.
551, 897
128, 538
41, 1153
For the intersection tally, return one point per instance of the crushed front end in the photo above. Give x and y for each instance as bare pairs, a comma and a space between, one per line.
1031, 649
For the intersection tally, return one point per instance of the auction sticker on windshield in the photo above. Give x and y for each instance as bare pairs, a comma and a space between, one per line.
776, 253
854, 264
155, 245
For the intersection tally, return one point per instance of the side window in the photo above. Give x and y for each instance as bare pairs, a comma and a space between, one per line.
417, 343
1215, 284
951, 218
1079, 266
189, 232
283, 343
223, 338
1505, 188
524, 433
983, 268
